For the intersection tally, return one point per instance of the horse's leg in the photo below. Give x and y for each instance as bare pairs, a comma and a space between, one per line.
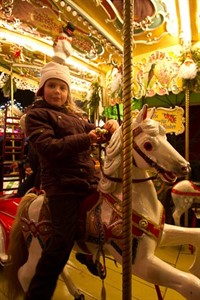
177, 213
27, 271
175, 235
70, 285
25, 274
152, 269
182, 204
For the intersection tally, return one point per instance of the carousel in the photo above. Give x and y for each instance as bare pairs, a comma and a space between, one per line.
136, 62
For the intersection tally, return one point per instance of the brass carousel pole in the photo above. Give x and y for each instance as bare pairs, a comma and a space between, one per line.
11, 90
128, 9
187, 106
11, 106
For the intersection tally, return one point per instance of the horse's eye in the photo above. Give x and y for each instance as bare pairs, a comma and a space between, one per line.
148, 146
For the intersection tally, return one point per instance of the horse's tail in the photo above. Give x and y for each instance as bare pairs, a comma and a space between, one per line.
17, 251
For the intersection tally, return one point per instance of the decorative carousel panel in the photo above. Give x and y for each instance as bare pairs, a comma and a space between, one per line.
157, 73
172, 119
87, 46
150, 18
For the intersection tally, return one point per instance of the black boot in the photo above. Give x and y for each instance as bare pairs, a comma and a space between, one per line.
96, 268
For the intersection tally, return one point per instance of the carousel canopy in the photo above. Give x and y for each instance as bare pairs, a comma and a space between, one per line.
28, 30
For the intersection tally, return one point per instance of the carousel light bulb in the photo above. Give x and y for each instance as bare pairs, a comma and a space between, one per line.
74, 13
68, 8
62, 3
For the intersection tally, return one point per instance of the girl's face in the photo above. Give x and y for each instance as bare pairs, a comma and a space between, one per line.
56, 92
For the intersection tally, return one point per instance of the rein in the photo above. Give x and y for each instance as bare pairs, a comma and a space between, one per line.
136, 132
119, 180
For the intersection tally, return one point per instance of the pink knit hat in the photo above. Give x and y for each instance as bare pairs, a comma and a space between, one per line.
53, 70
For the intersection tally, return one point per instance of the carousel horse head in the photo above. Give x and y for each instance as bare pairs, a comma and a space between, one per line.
150, 149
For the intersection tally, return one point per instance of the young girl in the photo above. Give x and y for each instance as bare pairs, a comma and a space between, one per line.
62, 140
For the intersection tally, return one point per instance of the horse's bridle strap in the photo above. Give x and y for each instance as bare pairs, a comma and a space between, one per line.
153, 164
136, 132
146, 158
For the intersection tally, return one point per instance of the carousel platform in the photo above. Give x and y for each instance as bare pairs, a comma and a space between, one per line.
90, 285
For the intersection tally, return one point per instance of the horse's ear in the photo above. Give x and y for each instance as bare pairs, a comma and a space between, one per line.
151, 113
142, 114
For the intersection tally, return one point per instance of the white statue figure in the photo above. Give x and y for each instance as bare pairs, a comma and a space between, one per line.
63, 44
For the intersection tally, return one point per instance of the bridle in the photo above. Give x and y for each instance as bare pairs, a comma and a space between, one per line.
148, 160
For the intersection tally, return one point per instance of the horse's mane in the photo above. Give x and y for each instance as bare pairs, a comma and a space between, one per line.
17, 252
151, 127
113, 159
112, 162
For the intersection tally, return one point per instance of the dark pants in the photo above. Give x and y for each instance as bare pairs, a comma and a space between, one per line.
64, 213
26, 185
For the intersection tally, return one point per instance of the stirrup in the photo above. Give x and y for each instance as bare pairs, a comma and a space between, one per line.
96, 268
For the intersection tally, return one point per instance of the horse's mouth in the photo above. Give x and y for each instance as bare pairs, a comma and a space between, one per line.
168, 176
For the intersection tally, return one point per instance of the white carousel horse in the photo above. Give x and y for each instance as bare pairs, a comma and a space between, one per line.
184, 194
104, 220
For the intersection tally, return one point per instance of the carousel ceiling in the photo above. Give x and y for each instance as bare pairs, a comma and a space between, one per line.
28, 29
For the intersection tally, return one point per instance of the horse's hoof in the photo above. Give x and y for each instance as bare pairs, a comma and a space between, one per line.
80, 297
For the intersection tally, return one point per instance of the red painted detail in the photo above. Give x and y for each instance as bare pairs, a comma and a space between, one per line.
8, 210
183, 193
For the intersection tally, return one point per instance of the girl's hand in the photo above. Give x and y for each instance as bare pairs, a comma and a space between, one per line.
111, 126
93, 136
98, 135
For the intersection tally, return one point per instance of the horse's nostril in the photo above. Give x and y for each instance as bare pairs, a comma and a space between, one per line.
186, 169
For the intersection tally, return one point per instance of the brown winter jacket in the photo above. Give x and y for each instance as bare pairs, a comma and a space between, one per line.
60, 138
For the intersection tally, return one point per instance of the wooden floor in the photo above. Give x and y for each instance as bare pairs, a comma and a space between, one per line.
91, 286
